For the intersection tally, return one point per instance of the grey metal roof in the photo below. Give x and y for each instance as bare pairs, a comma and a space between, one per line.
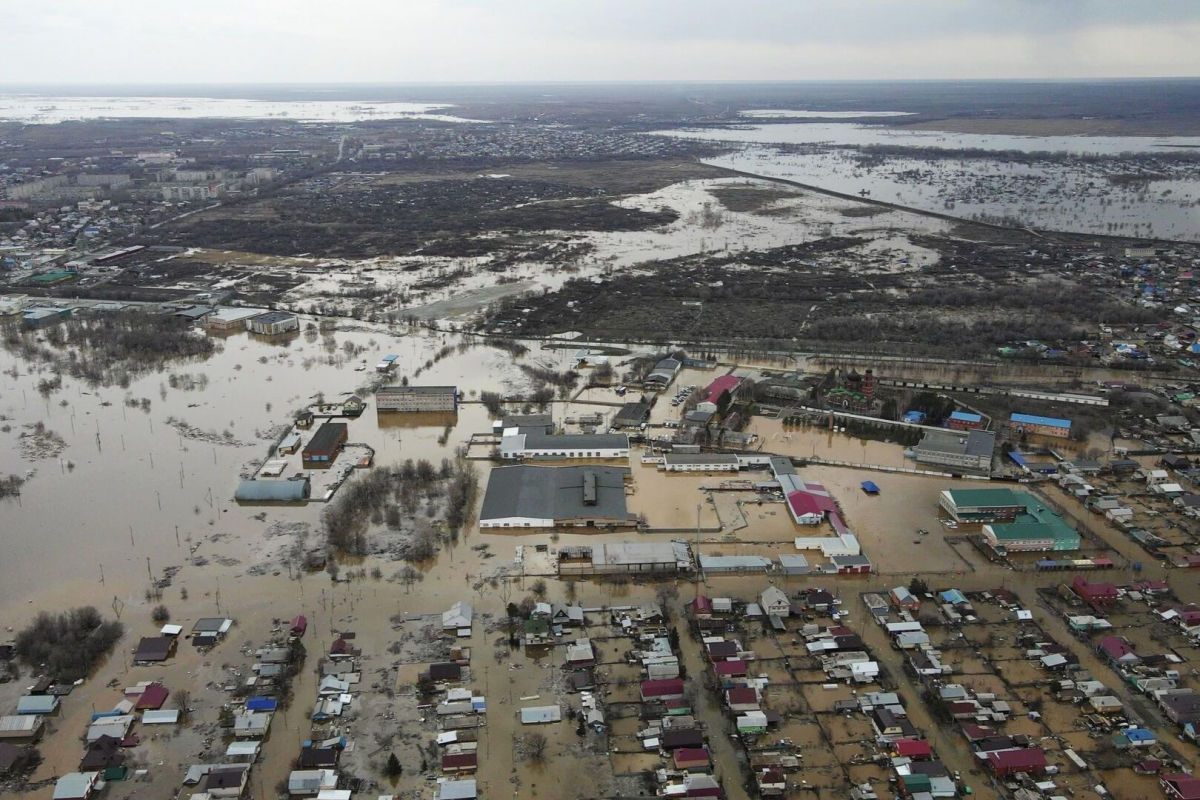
971, 443
685, 458
416, 389
633, 412
271, 491
527, 421
576, 441
274, 316
782, 466
555, 493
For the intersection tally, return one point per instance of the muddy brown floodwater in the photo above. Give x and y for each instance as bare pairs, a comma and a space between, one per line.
67, 542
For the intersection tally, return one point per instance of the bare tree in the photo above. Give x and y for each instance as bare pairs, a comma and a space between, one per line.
535, 745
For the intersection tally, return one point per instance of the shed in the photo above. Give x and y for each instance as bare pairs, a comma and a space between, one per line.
76, 786
168, 716
154, 649
42, 704
457, 790
537, 715
152, 697
299, 625
870, 487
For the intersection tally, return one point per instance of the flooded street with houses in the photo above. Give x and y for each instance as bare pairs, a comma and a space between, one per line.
92, 520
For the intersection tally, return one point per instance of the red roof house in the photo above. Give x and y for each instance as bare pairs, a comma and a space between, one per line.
663, 689
1118, 650
730, 669
153, 697
1180, 786
741, 698
455, 763
690, 758
1100, 596
912, 748
1029, 760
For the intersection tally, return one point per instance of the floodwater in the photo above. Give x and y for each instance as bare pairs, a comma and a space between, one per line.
783, 113
855, 135
703, 225
52, 109
128, 485
1055, 193
70, 522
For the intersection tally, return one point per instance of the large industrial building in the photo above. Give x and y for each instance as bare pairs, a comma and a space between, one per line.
1044, 426
1036, 529
982, 505
663, 373
551, 497
325, 444
568, 445
690, 462
966, 450
416, 398
273, 323
619, 558
1017, 521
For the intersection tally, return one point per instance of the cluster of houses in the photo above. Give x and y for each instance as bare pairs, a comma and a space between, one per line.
109, 736
904, 615
459, 710
670, 726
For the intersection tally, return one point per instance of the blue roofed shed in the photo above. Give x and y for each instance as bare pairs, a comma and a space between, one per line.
952, 596
261, 704
870, 487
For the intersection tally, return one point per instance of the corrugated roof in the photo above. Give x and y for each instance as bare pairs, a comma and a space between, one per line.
1033, 419
271, 491
555, 493
986, 498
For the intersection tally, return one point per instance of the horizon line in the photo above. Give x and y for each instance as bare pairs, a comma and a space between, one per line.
606, 82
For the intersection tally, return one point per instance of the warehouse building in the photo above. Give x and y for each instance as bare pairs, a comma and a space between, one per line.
728, 565
631, 415
550, 497
524, 423
1044, 426
684, 462
621, 558
416, 398
970, 450
231, 319
663, 373
273, 323
1036, 529
21, 728
267, 491
567, 445
982, 505
325, 444
964, 421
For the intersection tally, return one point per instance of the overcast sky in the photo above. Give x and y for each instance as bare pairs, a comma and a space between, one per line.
384, 41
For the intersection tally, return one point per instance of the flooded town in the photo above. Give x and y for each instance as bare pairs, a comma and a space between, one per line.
490, 446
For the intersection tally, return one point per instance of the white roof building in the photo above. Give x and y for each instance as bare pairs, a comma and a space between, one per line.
457, 617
